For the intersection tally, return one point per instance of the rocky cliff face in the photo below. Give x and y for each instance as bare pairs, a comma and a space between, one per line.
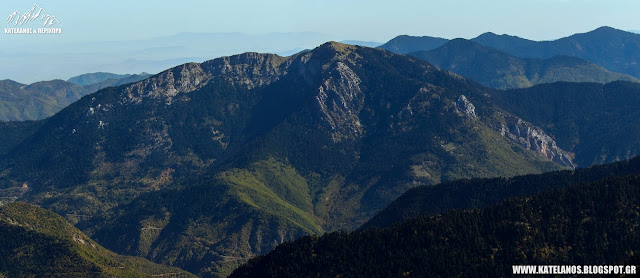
522, 133
248, 70
166, 85
340, 100
466, 107
535, 139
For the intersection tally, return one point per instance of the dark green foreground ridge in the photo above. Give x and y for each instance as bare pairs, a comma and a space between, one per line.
480, 193
35, 242
592, 223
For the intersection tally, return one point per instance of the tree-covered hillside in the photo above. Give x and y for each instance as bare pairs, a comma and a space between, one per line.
480, 193
598, 123
613, 49
594, 223
497, 69
21, 102
35, 242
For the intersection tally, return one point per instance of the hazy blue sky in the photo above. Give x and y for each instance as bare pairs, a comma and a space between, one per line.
370, 20
356, 19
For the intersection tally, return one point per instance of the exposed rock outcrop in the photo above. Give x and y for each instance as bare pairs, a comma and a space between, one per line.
340, 100
248, 70
535, 139
466, 107
182, 79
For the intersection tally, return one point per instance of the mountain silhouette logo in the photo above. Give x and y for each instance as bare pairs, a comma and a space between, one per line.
36, 13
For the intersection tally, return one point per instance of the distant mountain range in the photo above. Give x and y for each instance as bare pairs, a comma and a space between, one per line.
19, 102
35, 242
100, 77
406, 44
151, 55
613, 49
500, 70
502, 42
588, 223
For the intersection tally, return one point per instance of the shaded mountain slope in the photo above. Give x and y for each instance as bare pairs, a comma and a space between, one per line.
593, 223
613, 49
598, 123
504, 41
212, 227
500, 70
479, 193
406, 44
13, 133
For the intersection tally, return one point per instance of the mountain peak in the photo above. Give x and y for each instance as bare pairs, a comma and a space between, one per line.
464, 42
333, 51
11, 82
491, 35
338, 46
610, 35
488, 34
404, 44
606, 30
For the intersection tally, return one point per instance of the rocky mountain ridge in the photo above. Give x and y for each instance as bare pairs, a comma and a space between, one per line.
279, 146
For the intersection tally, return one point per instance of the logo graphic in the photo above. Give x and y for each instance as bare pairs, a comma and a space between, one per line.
36, 13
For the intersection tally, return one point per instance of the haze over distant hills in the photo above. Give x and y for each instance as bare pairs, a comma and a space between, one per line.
497, 69
99, 77
406, 44
613, 49
59, 61
362, 43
